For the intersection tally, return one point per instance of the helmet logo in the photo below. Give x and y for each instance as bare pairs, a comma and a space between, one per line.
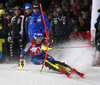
27, 7
39, 34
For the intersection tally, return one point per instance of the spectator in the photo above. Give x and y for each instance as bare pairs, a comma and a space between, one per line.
68, 2
1, 6
28, 11
36, 22
81, 22
7, 26
16, 35
77, 2
68, 12
78, 10
97, 42
85, 6
52, 6
71, 2
84, 23
74, 21
54, 13
2, 40
63, 4
50, 18
61, 25
75, 29
89, 14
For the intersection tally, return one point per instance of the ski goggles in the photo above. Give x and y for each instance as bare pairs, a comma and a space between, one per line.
39, 39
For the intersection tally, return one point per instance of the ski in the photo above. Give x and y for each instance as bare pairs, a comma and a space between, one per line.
78, 73
63, 71
81, 75
14, 66
17, 66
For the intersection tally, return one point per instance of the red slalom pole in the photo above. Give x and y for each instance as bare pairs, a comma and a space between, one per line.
46, 37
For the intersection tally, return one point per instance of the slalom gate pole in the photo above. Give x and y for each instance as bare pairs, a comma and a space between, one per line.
71, 47
46, 37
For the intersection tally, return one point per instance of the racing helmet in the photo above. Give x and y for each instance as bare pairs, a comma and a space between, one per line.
38, 36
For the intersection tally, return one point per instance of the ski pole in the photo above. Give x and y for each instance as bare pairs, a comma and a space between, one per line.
14, 66
71, 47
46, 37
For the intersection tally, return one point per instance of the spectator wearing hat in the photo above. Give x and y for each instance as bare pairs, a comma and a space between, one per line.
76, 28
16, 32
36, 22
2, 18
68, 11
7, 23
84, 22
27, 14
75, 4
85, 7
61, 25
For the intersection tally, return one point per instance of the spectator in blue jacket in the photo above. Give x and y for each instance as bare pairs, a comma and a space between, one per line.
36, 22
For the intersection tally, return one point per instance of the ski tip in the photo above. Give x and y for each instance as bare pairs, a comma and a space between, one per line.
81, 75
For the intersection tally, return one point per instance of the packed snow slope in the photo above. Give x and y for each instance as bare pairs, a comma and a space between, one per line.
79, 58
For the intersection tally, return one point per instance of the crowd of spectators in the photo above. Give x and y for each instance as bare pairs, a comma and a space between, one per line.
79, 11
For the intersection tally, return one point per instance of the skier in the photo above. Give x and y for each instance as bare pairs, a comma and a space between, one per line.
37, 56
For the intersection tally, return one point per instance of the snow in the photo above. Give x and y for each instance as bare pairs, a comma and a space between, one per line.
79, 58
